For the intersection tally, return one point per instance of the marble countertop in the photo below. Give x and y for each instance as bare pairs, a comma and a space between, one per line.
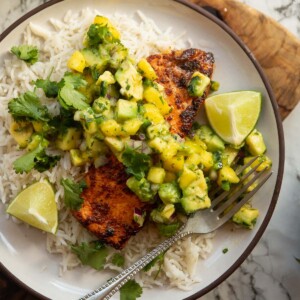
271, 271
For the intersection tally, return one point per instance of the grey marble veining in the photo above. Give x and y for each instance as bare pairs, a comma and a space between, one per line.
271, 272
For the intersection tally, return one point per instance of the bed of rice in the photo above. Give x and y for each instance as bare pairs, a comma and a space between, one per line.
142, 37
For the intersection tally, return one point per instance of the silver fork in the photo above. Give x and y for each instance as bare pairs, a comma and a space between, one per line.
203, 221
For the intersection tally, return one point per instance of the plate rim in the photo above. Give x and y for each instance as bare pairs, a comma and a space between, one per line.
274, 104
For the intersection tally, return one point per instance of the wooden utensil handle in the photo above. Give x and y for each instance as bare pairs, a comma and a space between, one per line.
274, 47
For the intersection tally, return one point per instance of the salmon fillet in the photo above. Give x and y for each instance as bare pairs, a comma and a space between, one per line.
108, 204
174, 70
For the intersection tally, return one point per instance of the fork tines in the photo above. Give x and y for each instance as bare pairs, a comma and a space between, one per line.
221, 205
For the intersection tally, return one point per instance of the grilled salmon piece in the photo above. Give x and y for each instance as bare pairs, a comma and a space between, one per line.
108, 204
174, 71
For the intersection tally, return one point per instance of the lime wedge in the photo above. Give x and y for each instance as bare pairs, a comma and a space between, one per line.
36, 206
233, 115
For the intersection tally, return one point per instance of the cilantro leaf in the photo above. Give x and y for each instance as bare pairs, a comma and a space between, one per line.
118, 260
71, 98
137, 164
28, 105
158, 259
50, 88
92, 254
73, 191
98, 34
35, 159
29, 54
168, 229
130, 290
73, 79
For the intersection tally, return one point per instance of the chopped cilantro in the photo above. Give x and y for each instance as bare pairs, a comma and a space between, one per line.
118, 260
158, 259
130, 290
92, 254
28, 105
29, 54
71, 98
98, 34
50, 88
225, 250
68, 96
137, 164
167, 229
35, 159
73, 79
73, 191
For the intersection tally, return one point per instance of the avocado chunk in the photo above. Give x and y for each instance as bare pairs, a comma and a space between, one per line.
79, 158
118, 53
130, 80
246, 216
126, 110
255, 143
169, 192
163, 213
69, 139
212, 141
92, 58
198, 84
195, 195
142, 188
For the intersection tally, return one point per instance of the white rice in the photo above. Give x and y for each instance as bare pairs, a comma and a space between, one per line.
142, 36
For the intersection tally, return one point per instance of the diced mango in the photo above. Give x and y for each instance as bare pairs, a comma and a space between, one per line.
110, 128
154, 96
79, 158
156, 175
21, 131
146, 69
103, 21
131, 127
186, 178
174, 164
76, 62
115, 144
168, 211
170, 150
69, 139
157, 130
266, 162
226, 173
157, 144
152, 113
193, 159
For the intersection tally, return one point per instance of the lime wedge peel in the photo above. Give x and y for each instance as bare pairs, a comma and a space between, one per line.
36, 206
233, 115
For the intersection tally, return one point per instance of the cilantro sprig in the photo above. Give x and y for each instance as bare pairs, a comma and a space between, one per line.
35, 159
68, 95
29, 106
93, 254
130, 290
73, 191
27, 53
137, 164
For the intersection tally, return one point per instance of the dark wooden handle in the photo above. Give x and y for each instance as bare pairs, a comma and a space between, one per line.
274, 47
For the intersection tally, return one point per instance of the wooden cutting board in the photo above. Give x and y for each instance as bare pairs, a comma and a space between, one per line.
274, 47
277, 51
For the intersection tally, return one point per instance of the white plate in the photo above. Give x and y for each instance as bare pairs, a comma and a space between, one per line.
22, 250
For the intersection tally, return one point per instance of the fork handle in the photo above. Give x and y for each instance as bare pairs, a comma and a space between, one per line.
113, 285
